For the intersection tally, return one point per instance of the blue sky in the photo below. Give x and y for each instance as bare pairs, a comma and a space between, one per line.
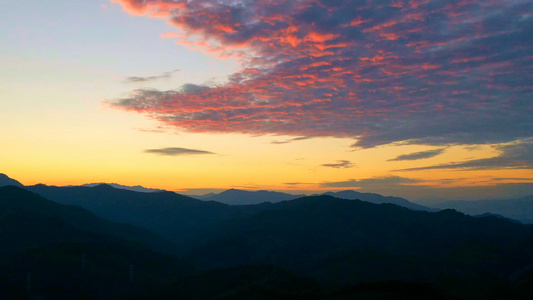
406, 97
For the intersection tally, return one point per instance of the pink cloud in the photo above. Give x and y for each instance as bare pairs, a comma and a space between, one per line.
378, 73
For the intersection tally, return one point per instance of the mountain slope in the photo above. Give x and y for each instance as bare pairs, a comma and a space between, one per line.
5, 180
53, 251
173, 216
348, 241
20, 201
377, 199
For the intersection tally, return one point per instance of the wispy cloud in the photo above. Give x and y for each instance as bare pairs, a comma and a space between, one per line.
165, 75
341, 164
300, 138
419, 155
174, 151
298, 183
518, 155
414, 72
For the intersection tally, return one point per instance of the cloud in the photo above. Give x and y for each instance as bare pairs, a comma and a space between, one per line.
512, 179
300, 138
412, 72
418, 155
340, 164
298, 183
135, 79
174, 151
517, 155
371, 182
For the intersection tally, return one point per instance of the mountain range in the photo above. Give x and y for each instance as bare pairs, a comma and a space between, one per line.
136, 188
518, 209
377, 199
241, 197
140, 245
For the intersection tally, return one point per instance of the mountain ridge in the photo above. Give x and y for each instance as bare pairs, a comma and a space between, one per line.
6, 180
337, 242
135, 188
520, 209
377, 199
243, 197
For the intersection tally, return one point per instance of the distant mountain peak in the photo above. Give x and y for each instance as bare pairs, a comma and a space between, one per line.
242, 197
377, 199
136, 188
6, 180
104, 186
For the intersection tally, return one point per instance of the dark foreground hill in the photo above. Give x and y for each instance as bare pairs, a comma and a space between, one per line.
54, 251
346, 242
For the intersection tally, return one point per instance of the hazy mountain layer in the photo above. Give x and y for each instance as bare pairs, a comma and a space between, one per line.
136, 188
240, 197
518, 209
336, 242
377, 199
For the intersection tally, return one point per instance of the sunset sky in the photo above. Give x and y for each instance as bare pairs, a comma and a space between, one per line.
424, 99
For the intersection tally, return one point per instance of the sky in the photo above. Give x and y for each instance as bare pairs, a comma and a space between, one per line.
424, 99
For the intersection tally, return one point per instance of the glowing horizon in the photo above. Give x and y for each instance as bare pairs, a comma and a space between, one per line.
420, 99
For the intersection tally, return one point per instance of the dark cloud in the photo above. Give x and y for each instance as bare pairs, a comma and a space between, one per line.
245, 187
418, 155
300, 138
341, 164
513, 179
164, 75
414, 72
518, 155
174, 151
371, 182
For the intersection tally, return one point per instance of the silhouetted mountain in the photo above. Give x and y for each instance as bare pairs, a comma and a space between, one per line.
136, 188
173, 216
20, 201
54, 251
377, 199
334, 241
243, 282
349, 241
5, 180
240, 197
517, 209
